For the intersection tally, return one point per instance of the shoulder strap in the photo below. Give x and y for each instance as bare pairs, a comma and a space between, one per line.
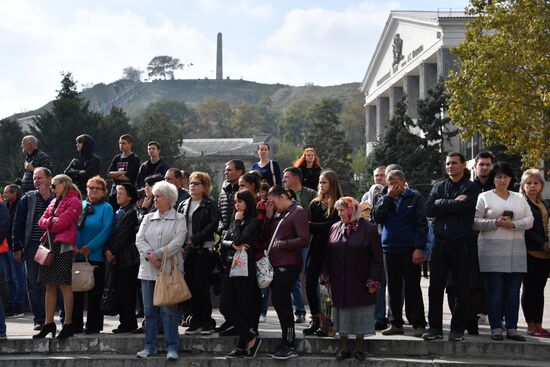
274, 234
272, 172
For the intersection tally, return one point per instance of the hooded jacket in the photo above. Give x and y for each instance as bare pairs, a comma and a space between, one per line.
68, 212
85, 161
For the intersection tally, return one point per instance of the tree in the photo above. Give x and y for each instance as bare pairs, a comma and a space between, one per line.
70, 117
246, 121
214, 117
399, 145
353, 123
329, 142
296, 121
159, 127
131, 73
164, 66
434, 124
502, 89
111, 127
11, 164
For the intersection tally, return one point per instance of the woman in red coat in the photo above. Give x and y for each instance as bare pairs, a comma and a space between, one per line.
60, 220
352, 270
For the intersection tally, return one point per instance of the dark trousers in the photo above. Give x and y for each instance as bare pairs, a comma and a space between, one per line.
239, 303
448, 256
313, 270
401, 271
532, 299
198, 266
284, 278
126, 289
94, 317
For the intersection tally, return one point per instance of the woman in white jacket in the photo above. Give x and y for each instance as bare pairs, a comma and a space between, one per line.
502, 216
162, 230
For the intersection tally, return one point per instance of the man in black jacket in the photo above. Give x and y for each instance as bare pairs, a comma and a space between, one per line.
234, 169
452, 206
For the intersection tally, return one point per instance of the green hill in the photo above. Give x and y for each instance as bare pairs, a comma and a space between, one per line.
134, 97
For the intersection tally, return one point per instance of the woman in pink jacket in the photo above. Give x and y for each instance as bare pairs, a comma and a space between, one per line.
60, 220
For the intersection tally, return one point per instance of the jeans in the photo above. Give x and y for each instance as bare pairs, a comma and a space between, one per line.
297, 300
35, 288
15, 278
168, 315
2, 318
503, 298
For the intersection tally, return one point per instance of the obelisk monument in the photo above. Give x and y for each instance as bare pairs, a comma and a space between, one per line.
219, 59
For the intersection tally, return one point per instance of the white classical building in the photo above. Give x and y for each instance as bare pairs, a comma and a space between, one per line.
412, 54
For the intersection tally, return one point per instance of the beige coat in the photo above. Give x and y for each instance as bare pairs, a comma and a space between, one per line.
158, 233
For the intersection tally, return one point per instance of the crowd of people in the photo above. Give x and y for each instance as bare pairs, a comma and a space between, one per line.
482, 241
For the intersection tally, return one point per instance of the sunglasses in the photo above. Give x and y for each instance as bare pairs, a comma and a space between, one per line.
95, 188
195, 183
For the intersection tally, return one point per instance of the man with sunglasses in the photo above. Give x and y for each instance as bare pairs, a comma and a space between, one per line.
26, 237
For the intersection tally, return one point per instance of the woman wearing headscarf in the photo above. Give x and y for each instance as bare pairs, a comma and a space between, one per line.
60, 220
94, 228
352, 270
86, 163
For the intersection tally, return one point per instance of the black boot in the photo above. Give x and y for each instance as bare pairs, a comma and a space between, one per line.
46, 329
66, 332
313, 326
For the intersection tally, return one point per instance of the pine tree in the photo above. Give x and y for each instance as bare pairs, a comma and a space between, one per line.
11, 164
330, 144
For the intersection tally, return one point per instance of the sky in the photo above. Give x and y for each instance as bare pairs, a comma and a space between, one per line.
324, 42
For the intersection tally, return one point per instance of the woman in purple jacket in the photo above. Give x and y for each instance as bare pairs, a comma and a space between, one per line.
352, 270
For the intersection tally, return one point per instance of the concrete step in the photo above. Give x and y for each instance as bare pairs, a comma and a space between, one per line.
397, 346
203, 360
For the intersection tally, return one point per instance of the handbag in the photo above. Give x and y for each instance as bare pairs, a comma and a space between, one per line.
264, 270
170, 289
109, 298
83, 276
239, 266
44, 255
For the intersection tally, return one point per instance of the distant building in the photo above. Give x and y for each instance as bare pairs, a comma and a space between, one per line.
219, 58
411, 55
215, 152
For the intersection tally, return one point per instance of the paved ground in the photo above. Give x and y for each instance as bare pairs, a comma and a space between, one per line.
23, 327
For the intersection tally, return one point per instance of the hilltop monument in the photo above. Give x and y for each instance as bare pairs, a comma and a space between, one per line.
219, 59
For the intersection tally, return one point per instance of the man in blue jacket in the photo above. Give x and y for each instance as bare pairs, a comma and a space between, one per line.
404, 230
452, 204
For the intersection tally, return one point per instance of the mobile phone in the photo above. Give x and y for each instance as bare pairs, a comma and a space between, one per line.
508, 213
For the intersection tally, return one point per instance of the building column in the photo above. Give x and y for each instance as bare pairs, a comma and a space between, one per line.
396, 93
410, 87
370, 117
446, 62
382, 114
427, 79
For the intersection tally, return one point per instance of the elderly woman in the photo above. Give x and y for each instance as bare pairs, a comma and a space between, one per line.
352, 270
161, 231
502, 216
538, 253
94, 228
60, 220
287, 226
201, 214
123, 256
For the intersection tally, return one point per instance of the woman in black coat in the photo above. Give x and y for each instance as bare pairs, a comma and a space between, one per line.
201, 214
123, 256
85, 165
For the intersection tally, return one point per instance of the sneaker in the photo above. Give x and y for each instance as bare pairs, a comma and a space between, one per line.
231, 331
145, 353
379, 326
252, 351
4, 337
393, 330
456, 336
193, 330
419, 331
300, 319
171, 355
223, 327
206, 330
285, 352
15, 315
262, 319
235, 353
433, 334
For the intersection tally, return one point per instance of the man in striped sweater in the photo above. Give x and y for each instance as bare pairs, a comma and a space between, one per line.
34, 158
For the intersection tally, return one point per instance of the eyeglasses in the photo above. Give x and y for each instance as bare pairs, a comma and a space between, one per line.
95, 188
195, 183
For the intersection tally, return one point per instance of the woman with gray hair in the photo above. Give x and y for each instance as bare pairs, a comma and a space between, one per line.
162, 230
